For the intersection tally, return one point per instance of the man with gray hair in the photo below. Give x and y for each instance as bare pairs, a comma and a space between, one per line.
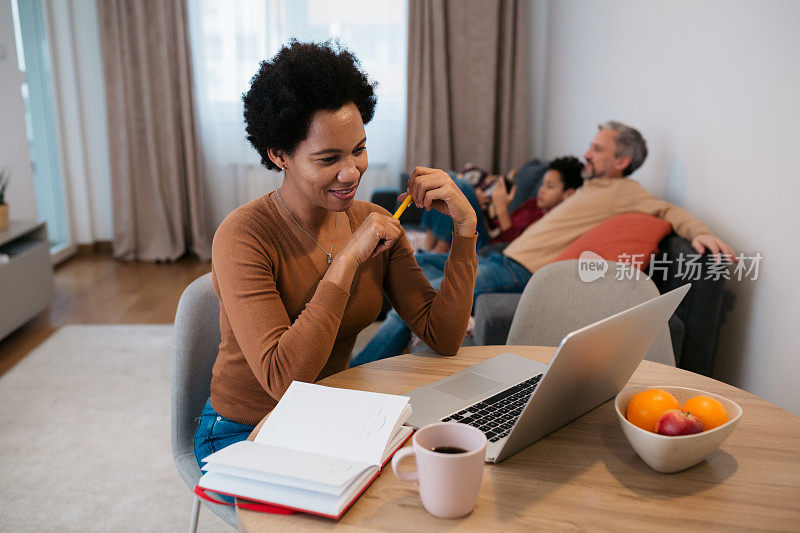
616, 151
629, 142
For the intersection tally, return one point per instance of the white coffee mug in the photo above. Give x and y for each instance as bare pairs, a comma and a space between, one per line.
449, 480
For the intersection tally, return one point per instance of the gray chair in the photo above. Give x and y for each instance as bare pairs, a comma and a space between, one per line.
555, 302
197, 340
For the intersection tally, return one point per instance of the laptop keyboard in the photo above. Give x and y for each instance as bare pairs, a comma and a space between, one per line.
495, 416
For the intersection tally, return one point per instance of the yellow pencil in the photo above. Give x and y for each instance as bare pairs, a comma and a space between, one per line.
402, 207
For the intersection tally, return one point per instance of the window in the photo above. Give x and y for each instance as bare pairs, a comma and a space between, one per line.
37, 93
230, 39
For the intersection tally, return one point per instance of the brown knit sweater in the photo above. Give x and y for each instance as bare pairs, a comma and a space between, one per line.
281, 322
597, 200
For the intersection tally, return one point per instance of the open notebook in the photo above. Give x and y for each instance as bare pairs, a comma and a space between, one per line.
317, 452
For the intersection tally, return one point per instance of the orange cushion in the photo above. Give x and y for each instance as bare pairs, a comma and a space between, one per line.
627, 235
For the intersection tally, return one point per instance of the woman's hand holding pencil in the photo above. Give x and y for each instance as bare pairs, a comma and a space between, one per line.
402, 207
430, 188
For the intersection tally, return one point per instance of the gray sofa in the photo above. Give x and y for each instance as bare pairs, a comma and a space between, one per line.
694, 327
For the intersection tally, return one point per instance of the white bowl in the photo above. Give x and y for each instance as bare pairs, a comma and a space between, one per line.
672, 454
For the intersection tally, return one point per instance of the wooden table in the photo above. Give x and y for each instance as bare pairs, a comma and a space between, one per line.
585, 475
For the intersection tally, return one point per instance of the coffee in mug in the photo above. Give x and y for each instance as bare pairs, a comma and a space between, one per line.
448, 449
449, 459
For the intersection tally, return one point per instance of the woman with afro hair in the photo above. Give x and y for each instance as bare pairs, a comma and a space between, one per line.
301, 271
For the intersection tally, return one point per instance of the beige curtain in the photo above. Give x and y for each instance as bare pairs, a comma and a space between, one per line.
466, 84
156, 174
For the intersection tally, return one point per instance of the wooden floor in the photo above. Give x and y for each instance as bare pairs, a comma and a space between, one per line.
98, 289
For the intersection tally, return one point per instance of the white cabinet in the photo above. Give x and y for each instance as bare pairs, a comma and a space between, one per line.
26, 274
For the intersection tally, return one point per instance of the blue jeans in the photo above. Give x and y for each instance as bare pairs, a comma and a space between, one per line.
442, 225
496, 273
216, 432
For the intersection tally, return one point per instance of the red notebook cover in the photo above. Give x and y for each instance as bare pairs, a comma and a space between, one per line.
269, 507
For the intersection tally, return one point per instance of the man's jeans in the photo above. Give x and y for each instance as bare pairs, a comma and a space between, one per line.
496, 273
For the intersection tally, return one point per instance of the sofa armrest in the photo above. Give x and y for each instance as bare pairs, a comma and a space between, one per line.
494, 313
701, 309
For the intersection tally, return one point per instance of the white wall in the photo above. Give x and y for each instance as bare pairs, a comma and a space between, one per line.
713, 87
14, 153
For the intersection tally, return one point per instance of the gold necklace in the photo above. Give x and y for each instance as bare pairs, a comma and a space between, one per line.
335, 227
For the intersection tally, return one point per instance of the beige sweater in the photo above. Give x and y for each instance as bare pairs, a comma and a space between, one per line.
597, 200
281, 322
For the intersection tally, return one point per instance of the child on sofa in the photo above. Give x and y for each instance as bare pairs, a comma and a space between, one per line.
562, 178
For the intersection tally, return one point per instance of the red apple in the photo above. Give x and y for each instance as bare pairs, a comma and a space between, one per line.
676, 422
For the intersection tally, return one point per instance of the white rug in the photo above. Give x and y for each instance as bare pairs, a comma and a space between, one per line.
85, 435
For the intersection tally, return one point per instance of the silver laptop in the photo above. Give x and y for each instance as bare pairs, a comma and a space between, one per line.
516, 401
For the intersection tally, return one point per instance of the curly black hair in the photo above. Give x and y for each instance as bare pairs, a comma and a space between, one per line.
300, 80
570, 169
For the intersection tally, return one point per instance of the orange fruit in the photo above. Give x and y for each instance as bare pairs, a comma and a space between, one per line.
646, 407
710, 411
